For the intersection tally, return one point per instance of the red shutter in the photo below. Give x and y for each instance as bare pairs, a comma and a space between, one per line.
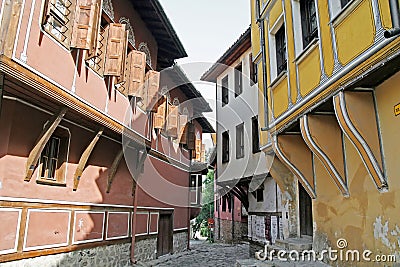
115, 50
135, 72
191, 136
85, 26
159, 116
183, 120
152, 85
172, 121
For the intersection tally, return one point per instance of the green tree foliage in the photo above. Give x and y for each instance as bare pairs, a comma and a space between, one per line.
207, 209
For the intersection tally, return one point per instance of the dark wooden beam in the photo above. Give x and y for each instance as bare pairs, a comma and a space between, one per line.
84, 158
42, 141
113, 169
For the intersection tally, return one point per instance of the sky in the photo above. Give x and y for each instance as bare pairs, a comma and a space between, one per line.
206, 28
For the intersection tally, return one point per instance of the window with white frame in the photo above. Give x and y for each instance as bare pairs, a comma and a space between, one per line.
305, 23
336, 6
277, 49
309, 25
240, 141
225, 90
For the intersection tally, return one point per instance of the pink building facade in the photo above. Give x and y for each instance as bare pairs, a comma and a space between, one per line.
94, 131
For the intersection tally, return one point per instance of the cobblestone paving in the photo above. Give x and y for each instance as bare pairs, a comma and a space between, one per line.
204, 254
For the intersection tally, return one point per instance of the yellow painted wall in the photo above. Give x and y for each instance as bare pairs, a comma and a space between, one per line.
356, 33
326, 37
362, 217
309, 72
280, 97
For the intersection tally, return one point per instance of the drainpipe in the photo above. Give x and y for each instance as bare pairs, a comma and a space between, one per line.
233, 216
395, 15
260, 22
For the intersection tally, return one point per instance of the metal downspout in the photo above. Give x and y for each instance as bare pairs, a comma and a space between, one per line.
395, 15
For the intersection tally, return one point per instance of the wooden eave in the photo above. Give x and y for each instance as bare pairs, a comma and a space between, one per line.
15, 71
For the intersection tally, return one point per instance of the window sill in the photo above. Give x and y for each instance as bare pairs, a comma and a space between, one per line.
50, 182
278, 79
310, 47
344, 12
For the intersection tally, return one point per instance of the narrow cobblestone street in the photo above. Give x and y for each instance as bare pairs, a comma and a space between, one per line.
203, 253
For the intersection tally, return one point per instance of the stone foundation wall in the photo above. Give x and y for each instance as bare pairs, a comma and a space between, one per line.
146, 248
240, 231
112, 255
180, 241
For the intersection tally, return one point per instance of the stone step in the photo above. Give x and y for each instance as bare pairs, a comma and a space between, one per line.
298, 244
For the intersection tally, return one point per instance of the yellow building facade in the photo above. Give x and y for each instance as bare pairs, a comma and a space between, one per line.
329, 116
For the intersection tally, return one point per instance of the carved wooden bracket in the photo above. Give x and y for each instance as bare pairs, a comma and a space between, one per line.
356, 115
323, 136
113, 169
84, 158
294, 153
44, 137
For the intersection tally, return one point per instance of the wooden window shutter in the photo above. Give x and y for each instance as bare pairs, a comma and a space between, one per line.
116, 44
172, 121
152, 85
135, 72
47, 5
198, 149
203, 153
159, 116
183, 120
191, 136
85, 26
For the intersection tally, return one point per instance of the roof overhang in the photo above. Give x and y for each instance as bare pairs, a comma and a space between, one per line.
169, 45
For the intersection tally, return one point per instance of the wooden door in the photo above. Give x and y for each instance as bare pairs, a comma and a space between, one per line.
165, 235
305, 206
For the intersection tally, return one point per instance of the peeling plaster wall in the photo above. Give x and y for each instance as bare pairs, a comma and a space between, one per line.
368, 219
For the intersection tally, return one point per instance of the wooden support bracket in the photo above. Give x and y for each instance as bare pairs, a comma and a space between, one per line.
84, 158
41, 143
113, 169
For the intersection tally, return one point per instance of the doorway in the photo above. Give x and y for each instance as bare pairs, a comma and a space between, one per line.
305, 210
165, 234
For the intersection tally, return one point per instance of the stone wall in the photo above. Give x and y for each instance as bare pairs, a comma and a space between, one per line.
112, 255
180, 241
240, 231
146, 248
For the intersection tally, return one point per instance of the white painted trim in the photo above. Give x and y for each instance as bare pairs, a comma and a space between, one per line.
148, 218
108, 220
292, 167
307, 135
158, 216
46, 201
23, 55
24, 248
73, 87
7, 251
360, 139
88, 240
18, 29
181, 229
342, 13
154, 208
74, 95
